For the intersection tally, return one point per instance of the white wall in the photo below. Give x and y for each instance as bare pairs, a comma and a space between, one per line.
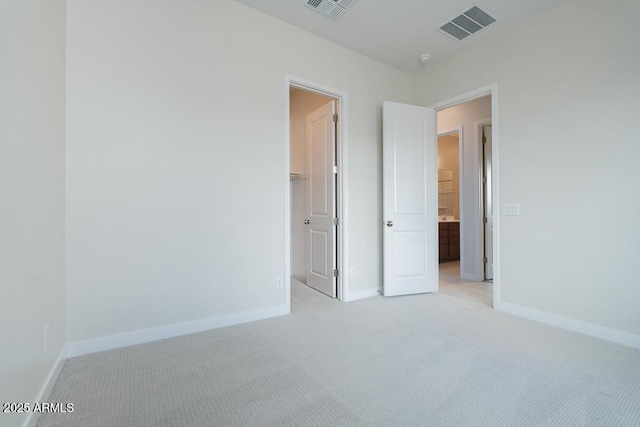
302, 103
466, 116
176, 159
568, 79
448, 159
32, 132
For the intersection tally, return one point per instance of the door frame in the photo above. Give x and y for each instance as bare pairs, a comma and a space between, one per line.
342, 247
492, 90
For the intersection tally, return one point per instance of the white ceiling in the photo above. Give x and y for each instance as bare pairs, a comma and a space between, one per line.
397, 32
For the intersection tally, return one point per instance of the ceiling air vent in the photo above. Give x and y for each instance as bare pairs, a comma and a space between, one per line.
331, 8
467, 23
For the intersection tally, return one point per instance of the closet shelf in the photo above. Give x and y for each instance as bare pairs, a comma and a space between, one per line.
296, 176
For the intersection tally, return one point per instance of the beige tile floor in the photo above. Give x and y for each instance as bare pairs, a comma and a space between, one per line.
451, 284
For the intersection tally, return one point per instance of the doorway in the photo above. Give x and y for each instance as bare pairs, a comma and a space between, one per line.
462, 229
315, 225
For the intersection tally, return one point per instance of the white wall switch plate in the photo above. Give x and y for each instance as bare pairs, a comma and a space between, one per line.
510, 209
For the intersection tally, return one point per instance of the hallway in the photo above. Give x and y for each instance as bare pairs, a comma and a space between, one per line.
451, 284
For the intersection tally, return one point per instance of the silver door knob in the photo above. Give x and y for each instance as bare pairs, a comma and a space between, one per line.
389, 223
306, 221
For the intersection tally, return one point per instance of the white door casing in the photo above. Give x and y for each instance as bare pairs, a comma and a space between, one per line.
410, 194
321, 205
487, 147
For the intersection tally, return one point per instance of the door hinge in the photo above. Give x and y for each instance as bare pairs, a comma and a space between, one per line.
335, 170
484, 139
484, 179
336, 221
485, 260
335, 118
486, 220
335, 272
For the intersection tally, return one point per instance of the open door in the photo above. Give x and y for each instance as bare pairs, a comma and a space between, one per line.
487, 176
410, 198
321, 202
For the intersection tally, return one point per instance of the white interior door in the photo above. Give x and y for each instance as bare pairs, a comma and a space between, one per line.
410, 196
487, 147
321, 231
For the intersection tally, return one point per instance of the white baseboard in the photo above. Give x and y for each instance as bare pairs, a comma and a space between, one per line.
470, 277
353, 296
47, 386
589, 329
111, 342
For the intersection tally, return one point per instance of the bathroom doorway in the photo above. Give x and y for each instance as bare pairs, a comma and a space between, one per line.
449, 195
461, 194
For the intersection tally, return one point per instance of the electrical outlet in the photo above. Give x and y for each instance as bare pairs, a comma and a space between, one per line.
352, 272
45, 337
279, 282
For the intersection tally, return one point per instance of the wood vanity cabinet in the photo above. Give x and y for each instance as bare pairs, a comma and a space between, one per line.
449, 236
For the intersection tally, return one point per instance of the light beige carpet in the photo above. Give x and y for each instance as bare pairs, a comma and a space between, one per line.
425, 360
